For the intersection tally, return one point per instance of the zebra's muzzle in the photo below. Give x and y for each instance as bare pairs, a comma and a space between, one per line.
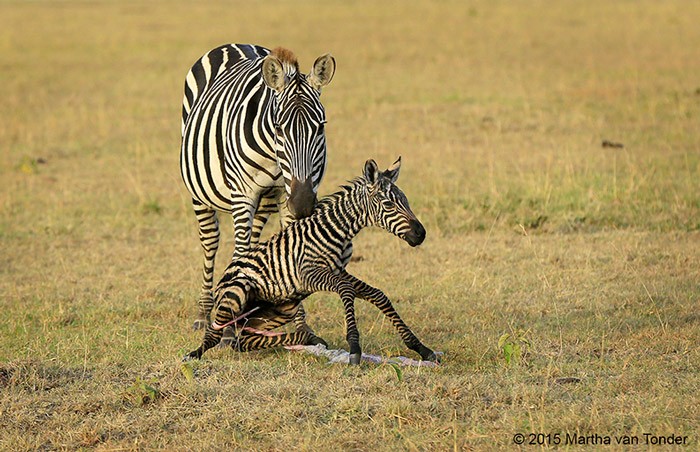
416, 234
302, 199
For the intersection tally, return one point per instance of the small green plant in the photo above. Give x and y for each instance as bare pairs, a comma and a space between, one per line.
152, 207
188, 369
513, 345
28, 165
142, 392
397, 369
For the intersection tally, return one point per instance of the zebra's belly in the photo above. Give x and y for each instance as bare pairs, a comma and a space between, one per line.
219, 185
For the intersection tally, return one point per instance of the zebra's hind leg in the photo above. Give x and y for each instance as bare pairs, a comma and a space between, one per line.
300, 321
208, 224
231, 297
211, 338
270, 317
250, 339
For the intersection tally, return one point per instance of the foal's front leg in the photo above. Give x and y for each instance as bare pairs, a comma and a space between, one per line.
322, 279
381, 301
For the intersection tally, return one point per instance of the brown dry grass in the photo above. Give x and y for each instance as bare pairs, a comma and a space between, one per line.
499, 111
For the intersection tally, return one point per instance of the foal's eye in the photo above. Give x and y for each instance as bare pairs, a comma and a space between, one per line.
387, 204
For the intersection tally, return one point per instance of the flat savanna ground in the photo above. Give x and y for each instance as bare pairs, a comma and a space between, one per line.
587, 256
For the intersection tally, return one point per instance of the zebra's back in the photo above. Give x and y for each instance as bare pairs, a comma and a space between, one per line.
213, 63
223, 149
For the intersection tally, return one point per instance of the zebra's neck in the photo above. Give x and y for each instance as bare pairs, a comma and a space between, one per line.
347, 209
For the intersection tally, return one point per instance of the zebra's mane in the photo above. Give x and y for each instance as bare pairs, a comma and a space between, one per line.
286, 57
331, 200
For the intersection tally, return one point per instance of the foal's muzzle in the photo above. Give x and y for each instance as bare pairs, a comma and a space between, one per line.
416, 234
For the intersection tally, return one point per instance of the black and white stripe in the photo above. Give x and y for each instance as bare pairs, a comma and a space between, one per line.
265, 286
252, 136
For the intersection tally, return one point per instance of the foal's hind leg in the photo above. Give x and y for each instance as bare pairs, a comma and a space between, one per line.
231, 299
255, 331
261, 340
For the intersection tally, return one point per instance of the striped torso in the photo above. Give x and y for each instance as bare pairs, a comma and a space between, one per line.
227, 134
280, 267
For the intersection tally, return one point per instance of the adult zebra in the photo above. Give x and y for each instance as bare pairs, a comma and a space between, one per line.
252, 132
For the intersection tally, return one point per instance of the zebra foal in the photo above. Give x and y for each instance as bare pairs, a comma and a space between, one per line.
265, 286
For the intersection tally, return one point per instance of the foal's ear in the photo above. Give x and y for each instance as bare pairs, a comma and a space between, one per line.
371, 171
393, 171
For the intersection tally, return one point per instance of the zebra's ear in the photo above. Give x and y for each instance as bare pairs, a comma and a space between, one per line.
322, 72
273, 73
393, 171
371, 171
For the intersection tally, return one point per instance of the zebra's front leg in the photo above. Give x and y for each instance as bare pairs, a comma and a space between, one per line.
322, 279
266, 207
353, 335
243, 212
381, 301
285, 219
208, 225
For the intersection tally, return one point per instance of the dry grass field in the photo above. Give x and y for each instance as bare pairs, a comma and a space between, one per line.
588, 256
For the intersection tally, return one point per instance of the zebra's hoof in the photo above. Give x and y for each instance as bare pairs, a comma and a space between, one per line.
199, 324
192, 355
355, 358
430, 356
315, 340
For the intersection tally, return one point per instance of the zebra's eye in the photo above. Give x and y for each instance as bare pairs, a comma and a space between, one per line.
387, 204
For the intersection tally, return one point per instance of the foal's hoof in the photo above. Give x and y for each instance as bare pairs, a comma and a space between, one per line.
315, 340
355, 358
429, 355
199, 324
196, 354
